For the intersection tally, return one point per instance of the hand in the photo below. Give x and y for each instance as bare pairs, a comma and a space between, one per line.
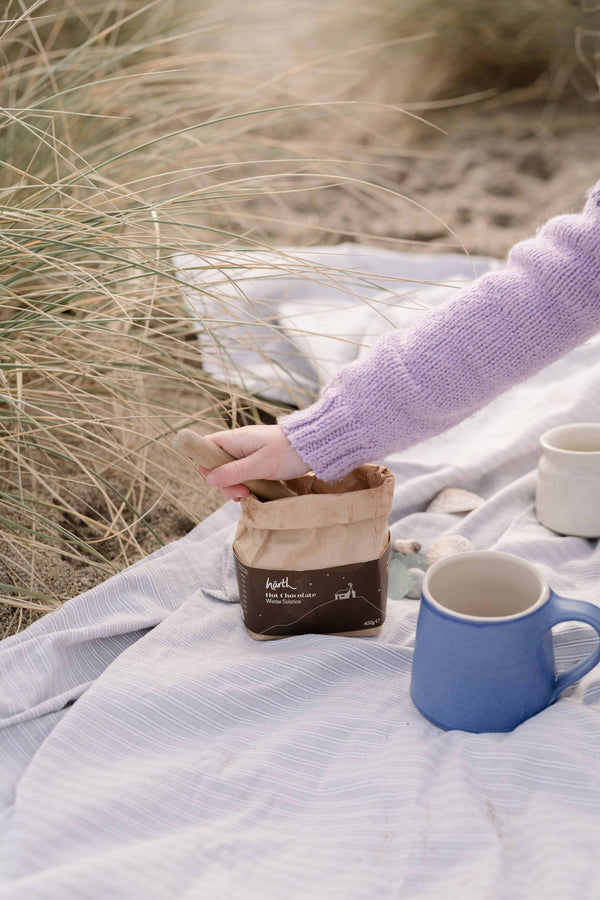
260, 451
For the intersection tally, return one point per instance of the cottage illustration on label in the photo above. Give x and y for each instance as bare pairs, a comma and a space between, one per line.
346, 594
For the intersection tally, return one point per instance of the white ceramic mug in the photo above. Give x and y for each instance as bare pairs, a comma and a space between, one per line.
568, 480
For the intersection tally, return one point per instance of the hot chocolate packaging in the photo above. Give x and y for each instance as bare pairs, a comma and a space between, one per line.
316, 562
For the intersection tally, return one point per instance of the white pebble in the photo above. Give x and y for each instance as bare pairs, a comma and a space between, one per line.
415, 592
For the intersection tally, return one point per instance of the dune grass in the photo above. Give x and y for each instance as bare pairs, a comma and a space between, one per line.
116, 153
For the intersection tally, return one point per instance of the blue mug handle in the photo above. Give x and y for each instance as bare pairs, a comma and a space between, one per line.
562, 609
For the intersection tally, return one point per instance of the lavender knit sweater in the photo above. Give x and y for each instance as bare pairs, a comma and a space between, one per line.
498, 331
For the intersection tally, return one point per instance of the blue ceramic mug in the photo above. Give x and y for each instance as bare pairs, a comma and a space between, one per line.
483, 658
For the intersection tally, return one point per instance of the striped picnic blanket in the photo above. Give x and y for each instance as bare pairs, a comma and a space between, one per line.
149, 748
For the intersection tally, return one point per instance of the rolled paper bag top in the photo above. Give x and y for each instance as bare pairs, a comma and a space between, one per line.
316, 562
325, 525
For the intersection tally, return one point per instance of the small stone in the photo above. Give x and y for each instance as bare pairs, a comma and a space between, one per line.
399, 581
401, 546
402, 577
414, 592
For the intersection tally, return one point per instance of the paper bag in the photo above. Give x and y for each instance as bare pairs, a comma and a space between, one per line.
318, 562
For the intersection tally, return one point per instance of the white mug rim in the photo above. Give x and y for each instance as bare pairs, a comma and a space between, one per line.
545, 439
543, 597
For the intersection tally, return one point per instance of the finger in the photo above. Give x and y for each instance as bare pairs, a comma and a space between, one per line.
237, 442
235, 472
232, 492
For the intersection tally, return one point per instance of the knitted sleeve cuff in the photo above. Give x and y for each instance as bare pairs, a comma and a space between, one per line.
327, 437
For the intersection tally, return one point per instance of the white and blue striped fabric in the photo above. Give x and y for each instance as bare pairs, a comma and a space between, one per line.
151, 750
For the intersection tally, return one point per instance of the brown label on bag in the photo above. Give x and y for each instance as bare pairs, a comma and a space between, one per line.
278, 603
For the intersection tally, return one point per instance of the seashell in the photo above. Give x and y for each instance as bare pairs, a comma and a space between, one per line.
448, 545
454, 500
401, 546
415, 591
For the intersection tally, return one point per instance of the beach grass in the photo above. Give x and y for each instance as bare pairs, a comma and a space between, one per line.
117, 154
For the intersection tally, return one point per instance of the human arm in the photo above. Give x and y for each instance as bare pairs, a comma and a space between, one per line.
496, 332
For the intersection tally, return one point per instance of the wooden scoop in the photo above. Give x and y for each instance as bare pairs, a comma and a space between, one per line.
204, 453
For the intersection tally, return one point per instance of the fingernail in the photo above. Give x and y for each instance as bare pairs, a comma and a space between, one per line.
212, 479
